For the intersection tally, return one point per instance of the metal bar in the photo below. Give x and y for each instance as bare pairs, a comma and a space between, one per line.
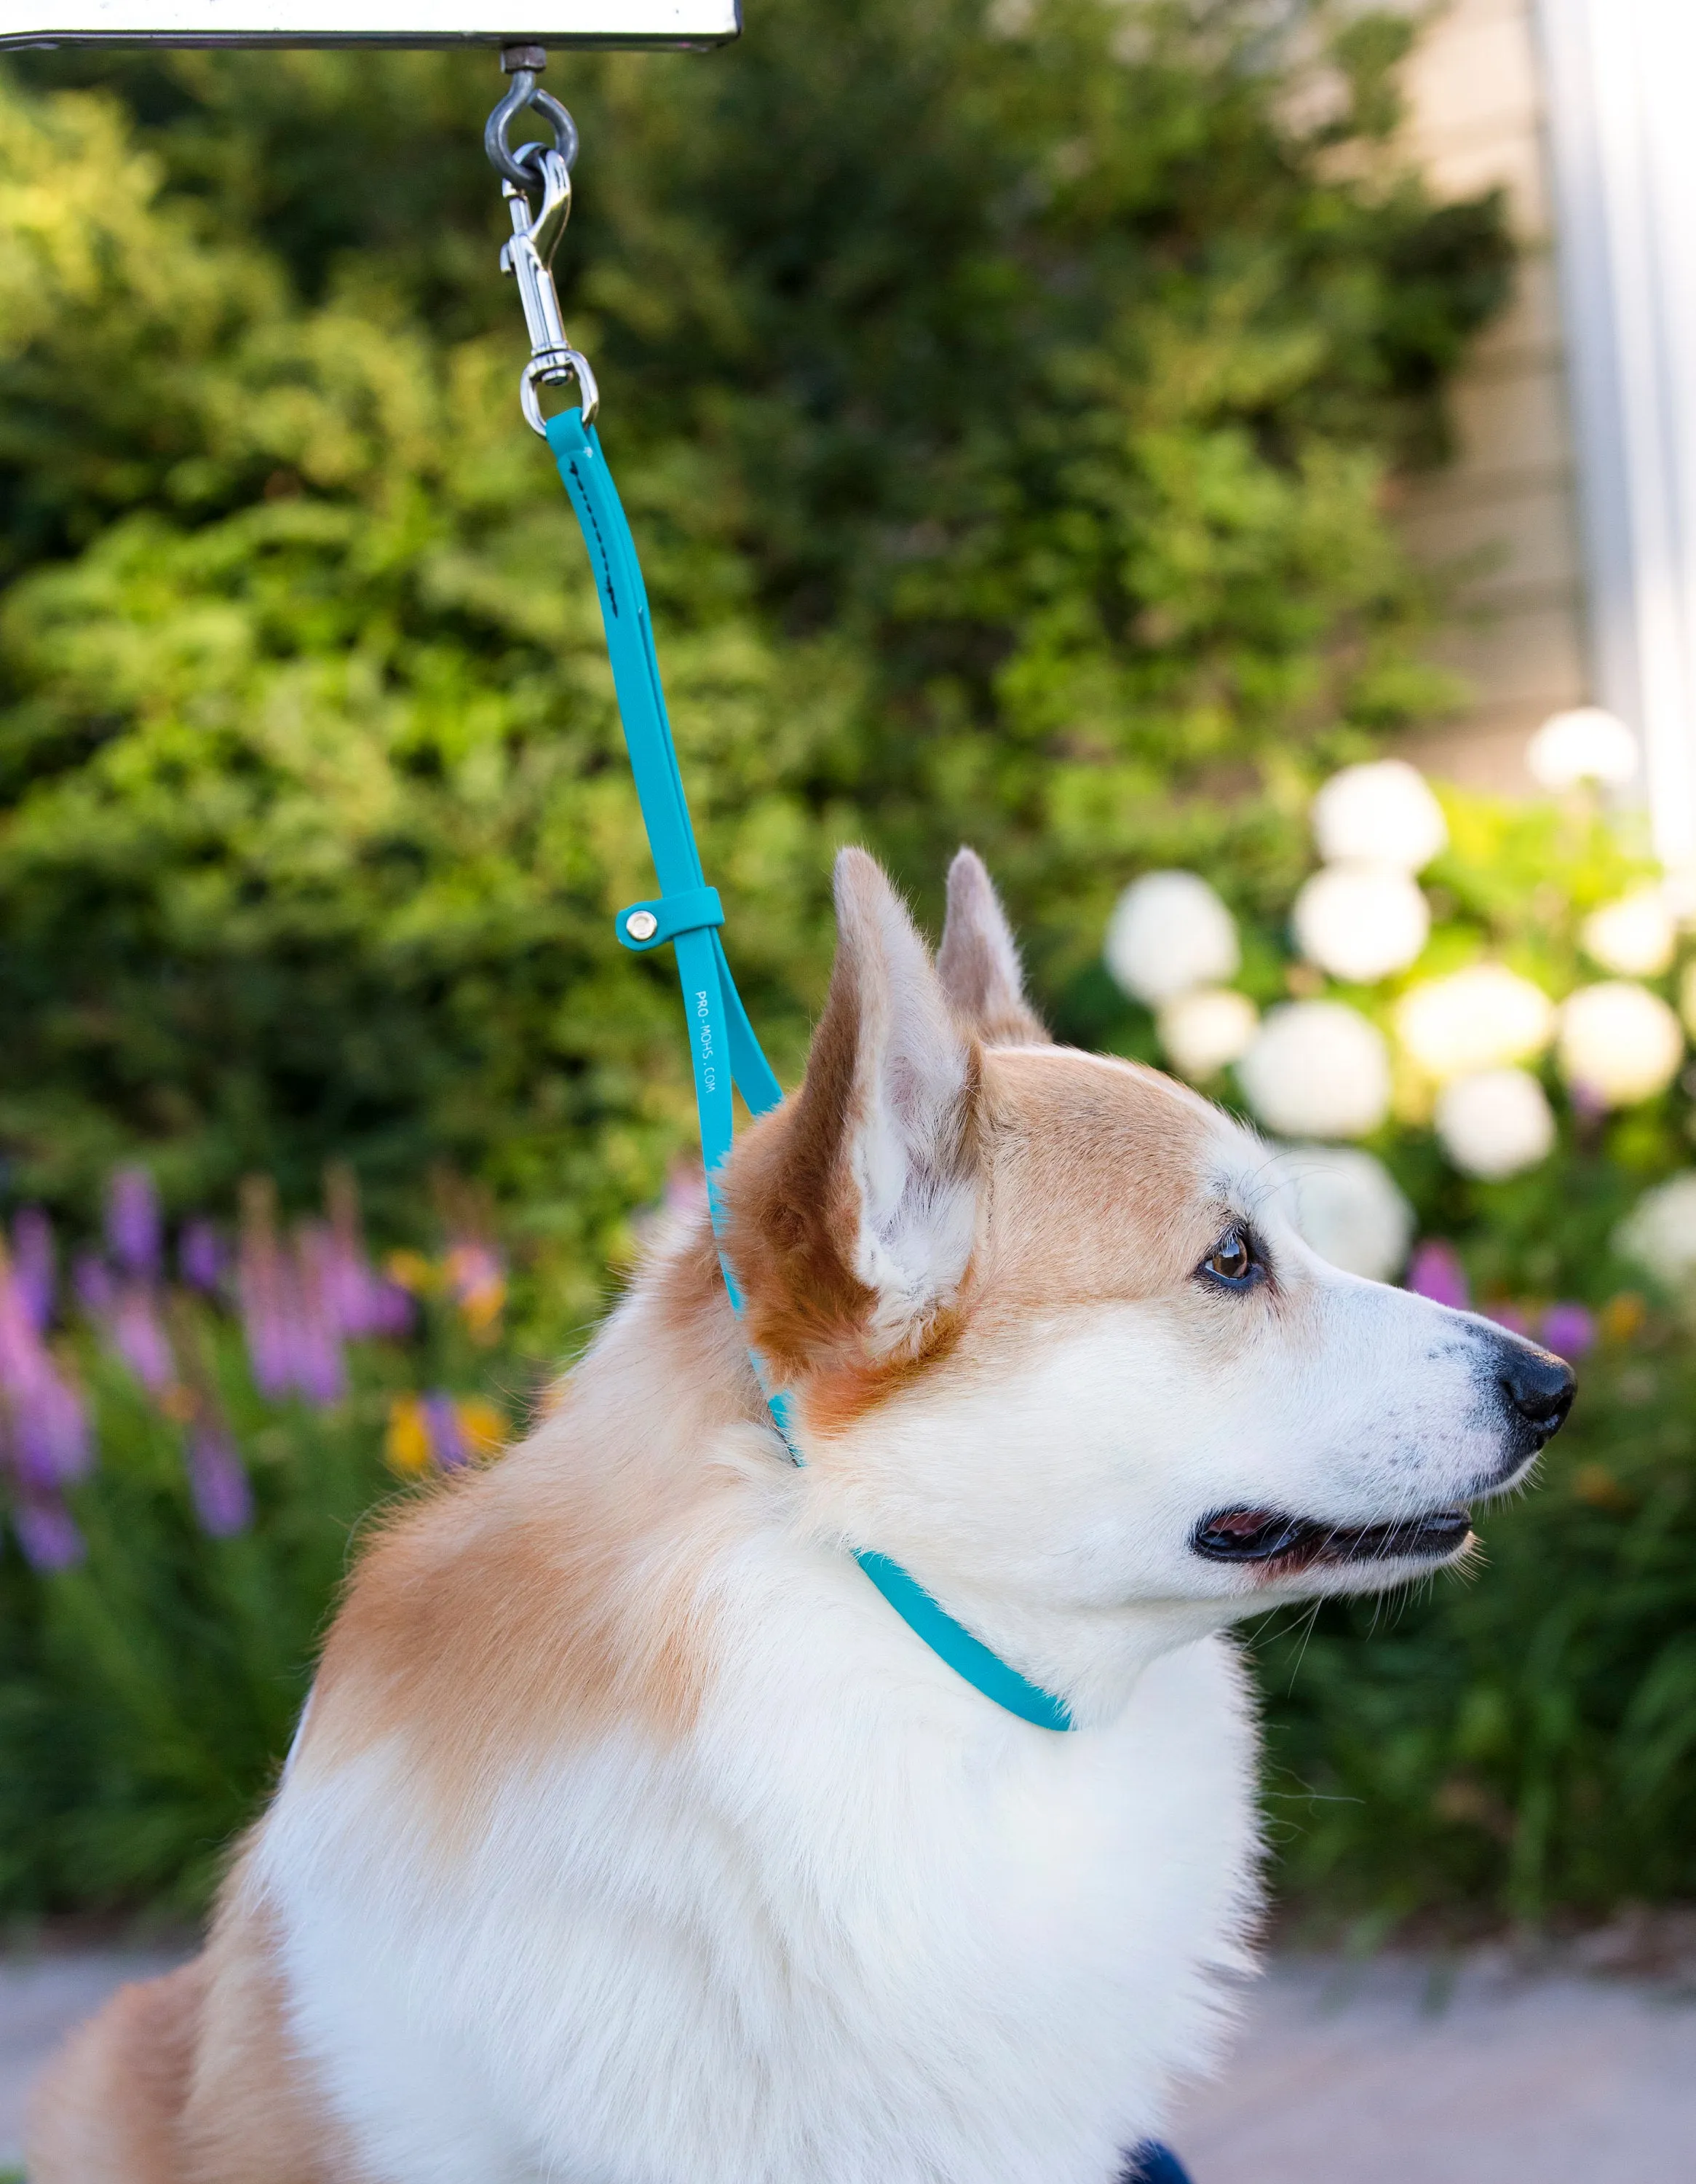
405, 23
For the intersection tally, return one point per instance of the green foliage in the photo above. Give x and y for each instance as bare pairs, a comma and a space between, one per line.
1521, 1741
1515, 885
1004, 404
148, 1696
148, 1693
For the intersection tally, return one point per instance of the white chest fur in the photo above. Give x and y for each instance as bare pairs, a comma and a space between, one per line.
917, 1943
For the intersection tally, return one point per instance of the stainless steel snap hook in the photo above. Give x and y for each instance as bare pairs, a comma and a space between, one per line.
536, 185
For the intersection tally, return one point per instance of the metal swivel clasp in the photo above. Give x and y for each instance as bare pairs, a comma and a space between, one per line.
539, 176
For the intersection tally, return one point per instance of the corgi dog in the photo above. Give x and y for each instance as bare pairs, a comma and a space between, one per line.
631, 1836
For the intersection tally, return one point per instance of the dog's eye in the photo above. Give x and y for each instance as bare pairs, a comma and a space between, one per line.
1231, 1260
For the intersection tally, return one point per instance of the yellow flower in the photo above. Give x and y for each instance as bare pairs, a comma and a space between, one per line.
1594, 1484
412, 1270
1623, 1316
406, 1445
484, 1427
481, 1308
479, 1285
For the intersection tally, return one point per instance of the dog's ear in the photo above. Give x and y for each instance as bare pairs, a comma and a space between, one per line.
854, 1218
978, 961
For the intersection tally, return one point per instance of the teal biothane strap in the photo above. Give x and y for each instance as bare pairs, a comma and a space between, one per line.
722, 1047
966, 1656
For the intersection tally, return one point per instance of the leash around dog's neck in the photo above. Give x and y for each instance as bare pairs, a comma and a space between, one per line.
724, 1051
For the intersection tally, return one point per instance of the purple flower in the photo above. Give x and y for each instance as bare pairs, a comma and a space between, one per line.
33, 1264
261, 1283
320, 1369
132, 1222
49, 1429
389, 1309
50, 1438
21, 1353
200, 1255
91, 1279
448, 1442
128, 1314
1510, 1315
218, 1485
139, 1337
1568, 1330
47, 1532
1438, 1273
294, 1340
361, 1301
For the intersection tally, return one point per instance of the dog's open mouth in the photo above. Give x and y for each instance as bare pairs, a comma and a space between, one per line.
1299, 1543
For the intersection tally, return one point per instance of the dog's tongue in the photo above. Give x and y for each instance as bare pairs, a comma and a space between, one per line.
1241, 1533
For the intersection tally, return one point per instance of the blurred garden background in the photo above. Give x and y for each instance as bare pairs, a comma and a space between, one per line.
1014, 405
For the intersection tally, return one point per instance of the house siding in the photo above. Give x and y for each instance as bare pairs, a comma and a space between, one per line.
1505, 511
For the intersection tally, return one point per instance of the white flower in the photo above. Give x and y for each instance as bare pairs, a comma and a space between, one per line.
1586, 745
1317, 1069
1480, 1018
1659, 1234
1380, 814
1494, 1123
1637, 936
1169, 932
1348, 1208
1361, 922
1619, 1043
1203, 1030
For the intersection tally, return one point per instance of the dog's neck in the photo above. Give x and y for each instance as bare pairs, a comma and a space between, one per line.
667, 1395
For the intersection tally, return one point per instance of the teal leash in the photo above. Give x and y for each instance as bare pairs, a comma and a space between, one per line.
723, 1049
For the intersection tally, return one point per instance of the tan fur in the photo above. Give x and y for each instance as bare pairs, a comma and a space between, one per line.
109, 2110
252, 2114
1122, 1149
1098, 1181
191, 2079
791, 1206
515, 1607
532, 1603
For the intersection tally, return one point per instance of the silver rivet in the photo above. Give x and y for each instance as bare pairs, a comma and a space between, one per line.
642, 925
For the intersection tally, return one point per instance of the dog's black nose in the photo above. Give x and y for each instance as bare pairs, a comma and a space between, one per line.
1538, 1386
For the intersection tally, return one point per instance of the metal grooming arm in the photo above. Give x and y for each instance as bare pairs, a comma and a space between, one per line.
368, 22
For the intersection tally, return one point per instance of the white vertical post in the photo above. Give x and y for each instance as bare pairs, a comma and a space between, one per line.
1622, 78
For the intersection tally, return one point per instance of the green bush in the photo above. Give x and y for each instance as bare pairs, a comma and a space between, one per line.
1517, 1741
147, 1697
1006, 403
155, 1659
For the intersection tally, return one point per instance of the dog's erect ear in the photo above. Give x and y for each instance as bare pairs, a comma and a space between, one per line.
855, 1218
906, 1147
978, 961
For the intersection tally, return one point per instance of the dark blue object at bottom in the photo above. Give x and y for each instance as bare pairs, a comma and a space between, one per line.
1155, 2164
